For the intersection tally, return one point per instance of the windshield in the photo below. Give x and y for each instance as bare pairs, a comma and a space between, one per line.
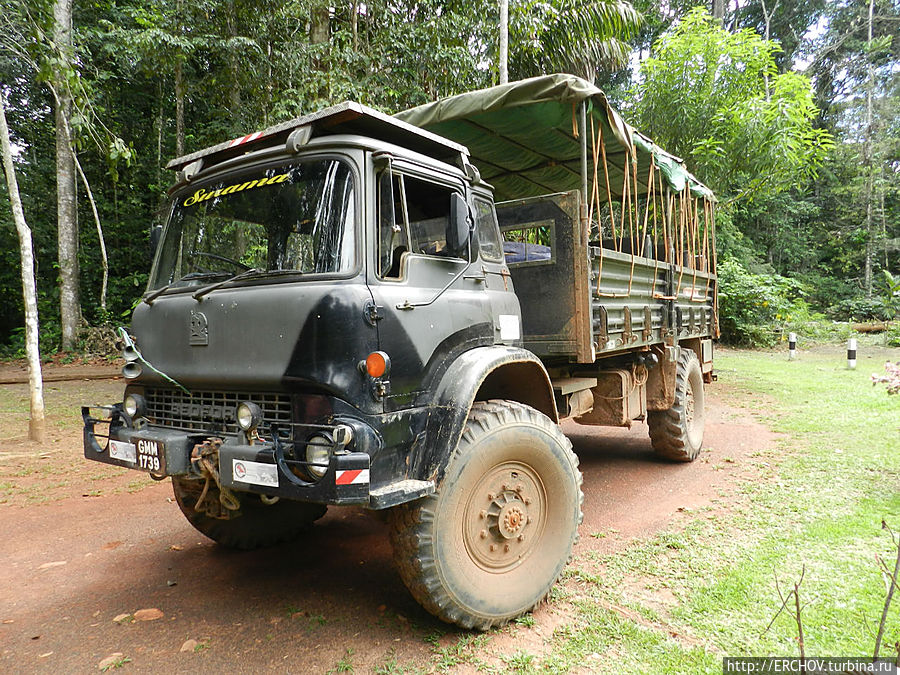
295, 218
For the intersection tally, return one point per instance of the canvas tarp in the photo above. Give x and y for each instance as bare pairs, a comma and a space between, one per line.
524, 137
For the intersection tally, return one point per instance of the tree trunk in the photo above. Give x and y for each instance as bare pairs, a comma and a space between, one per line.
867, 163
718, 10
767, 17
29, 293
179, 108
320, 25
66, 217
179, 91
504, 41
159, 138
234, 93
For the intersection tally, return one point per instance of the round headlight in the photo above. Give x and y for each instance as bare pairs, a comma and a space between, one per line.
248, 415
134, 405
318, 451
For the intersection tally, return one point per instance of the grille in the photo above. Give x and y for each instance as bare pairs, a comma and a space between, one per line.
211, 410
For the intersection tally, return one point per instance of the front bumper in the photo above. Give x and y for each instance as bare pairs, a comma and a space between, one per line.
263, 467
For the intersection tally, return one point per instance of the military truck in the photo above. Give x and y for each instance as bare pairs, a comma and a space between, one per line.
396, 313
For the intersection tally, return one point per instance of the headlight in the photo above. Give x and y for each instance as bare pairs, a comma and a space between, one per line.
318, 451
134, 405
249, 415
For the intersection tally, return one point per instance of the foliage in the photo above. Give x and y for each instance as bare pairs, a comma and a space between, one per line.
582, 37
892, 336
741, 126
701, 93
754, 307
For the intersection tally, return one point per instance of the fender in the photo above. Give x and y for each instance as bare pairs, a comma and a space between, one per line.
479, 374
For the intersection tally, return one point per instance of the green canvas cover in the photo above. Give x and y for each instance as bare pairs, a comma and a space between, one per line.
524, 137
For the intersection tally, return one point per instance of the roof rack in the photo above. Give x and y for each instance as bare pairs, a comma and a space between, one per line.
345, 118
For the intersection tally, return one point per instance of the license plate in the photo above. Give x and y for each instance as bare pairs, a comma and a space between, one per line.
122, 450
150, 456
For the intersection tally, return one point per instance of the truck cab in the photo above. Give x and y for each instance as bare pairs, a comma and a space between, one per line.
303, 287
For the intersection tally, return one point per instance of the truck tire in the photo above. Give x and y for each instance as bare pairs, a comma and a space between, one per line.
255, 526
677, 433
494, 538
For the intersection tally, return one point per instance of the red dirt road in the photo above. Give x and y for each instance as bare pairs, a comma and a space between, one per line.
69, 566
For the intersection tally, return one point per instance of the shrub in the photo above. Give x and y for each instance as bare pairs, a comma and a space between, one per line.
892, 336
861, 309
753, 308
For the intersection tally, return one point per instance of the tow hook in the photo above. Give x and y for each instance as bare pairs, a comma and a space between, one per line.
205, 456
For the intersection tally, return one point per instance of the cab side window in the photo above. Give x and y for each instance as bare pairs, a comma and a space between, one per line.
488, 232
413, 217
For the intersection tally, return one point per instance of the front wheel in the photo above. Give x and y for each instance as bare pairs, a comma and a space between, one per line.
253, 524
491, 542
677, 433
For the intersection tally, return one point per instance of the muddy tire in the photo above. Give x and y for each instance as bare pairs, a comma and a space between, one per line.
256, 525
677, 433
491, 542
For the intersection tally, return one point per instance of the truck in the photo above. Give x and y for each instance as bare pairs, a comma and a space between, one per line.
397, 312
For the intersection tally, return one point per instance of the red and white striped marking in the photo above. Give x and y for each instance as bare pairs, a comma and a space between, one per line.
245, 139
351, 477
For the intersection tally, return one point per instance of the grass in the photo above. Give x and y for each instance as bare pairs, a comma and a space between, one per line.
814, 508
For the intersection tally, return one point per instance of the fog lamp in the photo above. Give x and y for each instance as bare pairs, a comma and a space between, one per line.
318, 450
135, 405
249, 416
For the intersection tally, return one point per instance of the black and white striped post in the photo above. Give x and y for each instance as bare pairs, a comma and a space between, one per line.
851, 353
792, 346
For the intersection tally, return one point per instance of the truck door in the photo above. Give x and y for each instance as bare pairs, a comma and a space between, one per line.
422, 327
491, 265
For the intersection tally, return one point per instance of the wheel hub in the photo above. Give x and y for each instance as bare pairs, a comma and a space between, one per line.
505, 516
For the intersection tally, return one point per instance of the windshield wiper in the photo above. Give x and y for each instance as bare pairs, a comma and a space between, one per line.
192, 275
207, 289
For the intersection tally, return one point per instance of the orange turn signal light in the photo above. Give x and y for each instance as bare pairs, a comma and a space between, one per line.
377, 364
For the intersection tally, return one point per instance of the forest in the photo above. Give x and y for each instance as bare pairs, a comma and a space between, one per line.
787, 109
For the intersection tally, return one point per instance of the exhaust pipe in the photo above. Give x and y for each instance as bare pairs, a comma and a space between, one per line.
131, 370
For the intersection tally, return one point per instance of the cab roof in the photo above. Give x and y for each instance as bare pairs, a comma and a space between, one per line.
345, 118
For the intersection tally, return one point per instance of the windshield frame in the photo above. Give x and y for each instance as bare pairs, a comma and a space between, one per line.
185, 190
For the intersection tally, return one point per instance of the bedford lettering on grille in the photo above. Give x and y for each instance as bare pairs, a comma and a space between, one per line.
203, 411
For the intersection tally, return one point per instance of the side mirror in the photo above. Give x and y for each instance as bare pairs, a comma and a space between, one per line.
155, 236
458, 229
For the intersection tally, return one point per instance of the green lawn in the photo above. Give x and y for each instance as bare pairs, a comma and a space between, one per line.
817, 504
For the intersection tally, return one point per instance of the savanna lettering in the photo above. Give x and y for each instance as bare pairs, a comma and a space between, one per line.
202, 195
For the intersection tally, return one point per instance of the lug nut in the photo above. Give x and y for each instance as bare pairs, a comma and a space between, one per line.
483, 534
521, 537
506, 548
483, 514
493, 547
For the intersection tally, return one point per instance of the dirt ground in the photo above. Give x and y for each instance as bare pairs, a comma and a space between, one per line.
86, 546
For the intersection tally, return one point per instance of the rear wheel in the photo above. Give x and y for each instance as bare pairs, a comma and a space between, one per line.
677, 433
491, 542
254, 524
